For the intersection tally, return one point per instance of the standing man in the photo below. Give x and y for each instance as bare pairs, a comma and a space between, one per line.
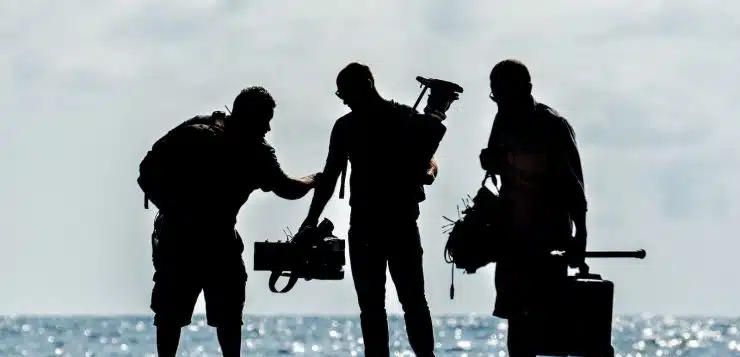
533, 150
386, 183
199, 175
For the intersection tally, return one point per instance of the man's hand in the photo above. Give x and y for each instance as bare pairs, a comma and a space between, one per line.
486, 160
431, 173
436, 114
311, 180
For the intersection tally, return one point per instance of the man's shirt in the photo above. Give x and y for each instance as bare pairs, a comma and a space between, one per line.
380, 150
540, 168
213, 175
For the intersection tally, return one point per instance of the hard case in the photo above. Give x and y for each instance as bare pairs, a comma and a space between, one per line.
578, 318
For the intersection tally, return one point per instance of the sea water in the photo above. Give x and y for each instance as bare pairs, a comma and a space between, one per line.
463, 336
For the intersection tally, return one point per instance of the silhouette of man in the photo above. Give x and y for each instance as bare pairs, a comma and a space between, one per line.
199, 175
386, 185
533, 150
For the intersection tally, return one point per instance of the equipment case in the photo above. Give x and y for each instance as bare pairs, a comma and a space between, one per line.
577, 320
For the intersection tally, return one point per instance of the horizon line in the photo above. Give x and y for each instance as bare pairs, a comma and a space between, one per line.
347, 316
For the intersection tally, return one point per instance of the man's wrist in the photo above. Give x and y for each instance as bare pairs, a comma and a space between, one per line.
310, 221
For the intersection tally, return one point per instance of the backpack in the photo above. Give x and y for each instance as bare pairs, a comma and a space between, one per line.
153, 169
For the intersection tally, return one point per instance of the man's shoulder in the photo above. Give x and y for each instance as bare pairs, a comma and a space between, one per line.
343, 124
401, 107
344, 119
200, 124
199, 130
265, 146
547, 111
552, 116
401, 113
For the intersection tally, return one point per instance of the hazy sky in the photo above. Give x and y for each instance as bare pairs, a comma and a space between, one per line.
87, 86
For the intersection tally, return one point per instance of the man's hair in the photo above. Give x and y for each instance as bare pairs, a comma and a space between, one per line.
252, 97
354, 73
510, 71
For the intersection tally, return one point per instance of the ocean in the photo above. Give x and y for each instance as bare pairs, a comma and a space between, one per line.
460, 336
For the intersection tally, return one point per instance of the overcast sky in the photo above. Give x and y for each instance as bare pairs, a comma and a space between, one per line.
87, 86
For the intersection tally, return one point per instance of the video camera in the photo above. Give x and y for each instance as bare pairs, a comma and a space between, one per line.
312, 253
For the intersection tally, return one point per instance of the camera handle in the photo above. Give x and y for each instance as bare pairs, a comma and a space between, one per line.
275, 276
584, 270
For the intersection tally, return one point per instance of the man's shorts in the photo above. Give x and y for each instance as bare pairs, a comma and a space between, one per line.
176, 291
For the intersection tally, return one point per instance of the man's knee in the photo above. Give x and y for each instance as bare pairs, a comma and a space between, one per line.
370, 298
225, 299
518, 339
225, 313
173, 301
408, 277
412, 297
172, 314
225, 306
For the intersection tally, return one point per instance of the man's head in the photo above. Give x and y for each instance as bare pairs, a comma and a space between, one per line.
511, 85
252, 112
356, 86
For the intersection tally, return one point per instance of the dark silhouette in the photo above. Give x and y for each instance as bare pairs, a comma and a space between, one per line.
199, 175
533, 150
382, 141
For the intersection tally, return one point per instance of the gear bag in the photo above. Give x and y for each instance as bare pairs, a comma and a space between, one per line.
153, 169
474, 239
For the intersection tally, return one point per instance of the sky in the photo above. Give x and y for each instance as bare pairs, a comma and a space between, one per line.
87, 86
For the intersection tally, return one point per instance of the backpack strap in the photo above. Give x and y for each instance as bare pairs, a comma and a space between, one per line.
343, 178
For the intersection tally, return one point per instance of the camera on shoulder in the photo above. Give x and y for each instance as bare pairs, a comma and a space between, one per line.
312, 253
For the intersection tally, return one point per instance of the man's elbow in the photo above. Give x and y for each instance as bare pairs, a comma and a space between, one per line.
292, 189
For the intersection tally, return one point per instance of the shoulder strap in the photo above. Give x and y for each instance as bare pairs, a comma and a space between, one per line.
343, 179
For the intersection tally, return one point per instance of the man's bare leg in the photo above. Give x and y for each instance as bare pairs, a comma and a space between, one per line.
230, 339
168, 339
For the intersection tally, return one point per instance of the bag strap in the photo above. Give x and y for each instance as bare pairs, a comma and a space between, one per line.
493, 181
486, 177
275, 276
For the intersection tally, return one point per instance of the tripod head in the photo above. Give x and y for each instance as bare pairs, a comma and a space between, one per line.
441, 94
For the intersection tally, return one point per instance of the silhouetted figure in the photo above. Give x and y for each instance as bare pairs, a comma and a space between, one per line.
534, 151
386, 184
199, 175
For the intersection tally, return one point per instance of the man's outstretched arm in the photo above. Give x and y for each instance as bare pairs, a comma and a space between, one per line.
336, 160
283, 185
